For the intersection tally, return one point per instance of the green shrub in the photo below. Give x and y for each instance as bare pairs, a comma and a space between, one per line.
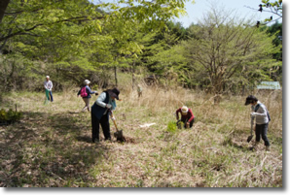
171, 127
9, 116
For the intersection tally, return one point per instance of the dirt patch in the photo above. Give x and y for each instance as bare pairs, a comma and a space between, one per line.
129, 140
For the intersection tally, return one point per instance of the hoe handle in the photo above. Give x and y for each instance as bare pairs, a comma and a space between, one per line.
252, 124
113, 120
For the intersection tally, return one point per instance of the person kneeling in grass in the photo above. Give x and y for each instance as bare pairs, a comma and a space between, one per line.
187, 116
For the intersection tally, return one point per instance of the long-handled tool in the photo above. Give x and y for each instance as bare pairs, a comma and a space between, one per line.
119, 133
252, 124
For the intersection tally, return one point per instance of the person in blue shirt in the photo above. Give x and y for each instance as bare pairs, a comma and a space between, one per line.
103, 106
86, 98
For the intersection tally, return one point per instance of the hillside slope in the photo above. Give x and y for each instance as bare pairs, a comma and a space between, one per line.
51, 145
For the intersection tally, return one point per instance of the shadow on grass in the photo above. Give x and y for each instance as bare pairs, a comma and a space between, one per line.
45, 150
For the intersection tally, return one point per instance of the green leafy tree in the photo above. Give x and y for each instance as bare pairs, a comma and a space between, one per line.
224, 48
75, 36
25, 17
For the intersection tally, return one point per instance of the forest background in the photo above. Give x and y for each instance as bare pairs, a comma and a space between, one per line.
75, 40
212, 64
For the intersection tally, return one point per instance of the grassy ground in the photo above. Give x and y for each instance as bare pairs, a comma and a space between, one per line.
51, 145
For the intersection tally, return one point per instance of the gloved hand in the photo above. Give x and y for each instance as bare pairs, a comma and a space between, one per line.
113, 118
108, 106
253, 114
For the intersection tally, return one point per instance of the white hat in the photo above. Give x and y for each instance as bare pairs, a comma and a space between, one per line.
86, 82
184, 109
47, 76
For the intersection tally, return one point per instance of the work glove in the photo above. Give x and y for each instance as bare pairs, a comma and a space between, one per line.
108, 106
253, 114
113, 118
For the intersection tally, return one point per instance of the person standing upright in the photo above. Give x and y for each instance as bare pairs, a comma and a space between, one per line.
85, 92
48, 85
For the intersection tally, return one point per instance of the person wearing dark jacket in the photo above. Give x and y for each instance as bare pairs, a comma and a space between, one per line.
101, 109
86, 98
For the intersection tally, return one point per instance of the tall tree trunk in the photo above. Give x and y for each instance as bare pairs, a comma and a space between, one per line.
116, 79
133, 75
3, 6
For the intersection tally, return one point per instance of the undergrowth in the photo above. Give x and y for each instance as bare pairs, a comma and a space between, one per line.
50, 146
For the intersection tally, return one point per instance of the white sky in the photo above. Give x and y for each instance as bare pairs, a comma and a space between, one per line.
240, 7
200, 7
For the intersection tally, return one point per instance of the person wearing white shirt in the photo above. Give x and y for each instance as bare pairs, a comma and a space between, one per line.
48, 87
260, 112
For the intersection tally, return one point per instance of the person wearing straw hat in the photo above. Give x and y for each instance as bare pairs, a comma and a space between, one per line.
48, 85
187, 116
85, 92
100, 113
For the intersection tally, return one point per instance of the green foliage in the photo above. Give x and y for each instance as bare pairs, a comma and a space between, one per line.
276, 8
224, 51
73, 40
9, 116
171, 127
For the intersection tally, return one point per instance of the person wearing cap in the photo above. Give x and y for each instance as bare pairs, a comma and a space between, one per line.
101, 109
86, 99
48, 87
187, 116
260, 112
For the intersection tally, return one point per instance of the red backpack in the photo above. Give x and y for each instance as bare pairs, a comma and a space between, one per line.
84, 92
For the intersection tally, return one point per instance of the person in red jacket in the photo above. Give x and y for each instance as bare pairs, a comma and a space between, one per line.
187, 116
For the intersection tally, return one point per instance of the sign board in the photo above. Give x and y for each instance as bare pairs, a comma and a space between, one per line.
269, 85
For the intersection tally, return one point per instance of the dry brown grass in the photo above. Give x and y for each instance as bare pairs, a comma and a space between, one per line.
52, 147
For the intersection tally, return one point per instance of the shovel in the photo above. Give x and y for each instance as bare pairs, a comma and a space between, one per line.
119, 133
252, 124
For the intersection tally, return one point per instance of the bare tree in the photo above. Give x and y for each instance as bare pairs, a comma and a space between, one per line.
223, 46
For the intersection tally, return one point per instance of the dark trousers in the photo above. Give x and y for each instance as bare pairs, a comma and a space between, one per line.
190, 124
185, 121
261, 130
96, 127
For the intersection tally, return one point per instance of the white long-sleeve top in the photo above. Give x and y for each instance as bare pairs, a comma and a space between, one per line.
48, 85
261, 114
100, 102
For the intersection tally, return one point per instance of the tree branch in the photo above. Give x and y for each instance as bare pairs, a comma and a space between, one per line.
23, 32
